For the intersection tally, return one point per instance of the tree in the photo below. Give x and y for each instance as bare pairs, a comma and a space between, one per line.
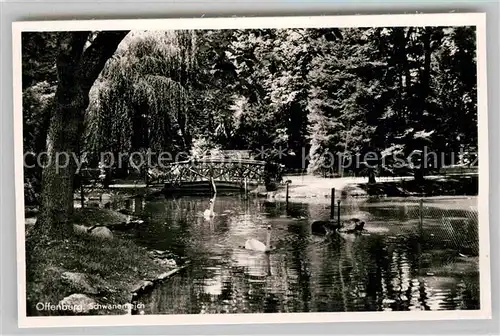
39, 81
81, 57
272, 86
163, 90
343, 102
338, 94
455, 100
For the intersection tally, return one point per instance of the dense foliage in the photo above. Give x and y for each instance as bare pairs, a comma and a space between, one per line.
313, 99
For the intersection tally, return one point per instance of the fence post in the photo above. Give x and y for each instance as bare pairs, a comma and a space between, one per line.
420, 233
332, 204
287, 184
421, 222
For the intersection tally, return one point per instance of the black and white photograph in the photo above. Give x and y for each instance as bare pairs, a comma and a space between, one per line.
250, 170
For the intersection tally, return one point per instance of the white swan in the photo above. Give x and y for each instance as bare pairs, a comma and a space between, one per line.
209, 213
255, 245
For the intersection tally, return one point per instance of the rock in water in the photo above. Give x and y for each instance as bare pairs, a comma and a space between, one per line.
78, 282
77, 303
102, 233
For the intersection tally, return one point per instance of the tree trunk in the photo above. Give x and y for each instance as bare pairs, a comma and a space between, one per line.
402, 39
422, 101
57, 179
77, 70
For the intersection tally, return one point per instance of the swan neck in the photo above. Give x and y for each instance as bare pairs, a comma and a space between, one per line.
212, 205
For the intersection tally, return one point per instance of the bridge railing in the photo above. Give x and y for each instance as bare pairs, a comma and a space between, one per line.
222, 170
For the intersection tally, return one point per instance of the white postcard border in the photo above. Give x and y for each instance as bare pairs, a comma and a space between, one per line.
454, 19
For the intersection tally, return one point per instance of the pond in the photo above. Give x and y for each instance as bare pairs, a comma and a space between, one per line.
394, 265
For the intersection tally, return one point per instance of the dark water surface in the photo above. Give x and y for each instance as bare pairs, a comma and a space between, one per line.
384, 269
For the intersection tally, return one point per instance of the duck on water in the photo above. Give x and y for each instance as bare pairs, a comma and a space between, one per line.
327, 227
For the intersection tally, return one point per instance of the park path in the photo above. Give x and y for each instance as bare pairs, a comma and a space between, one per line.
306, 188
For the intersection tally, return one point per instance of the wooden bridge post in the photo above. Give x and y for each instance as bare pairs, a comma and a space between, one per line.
245, 183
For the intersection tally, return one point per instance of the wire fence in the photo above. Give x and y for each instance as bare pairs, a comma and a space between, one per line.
451, 226
444, 223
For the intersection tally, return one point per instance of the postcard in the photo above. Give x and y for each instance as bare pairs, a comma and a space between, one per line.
251, 170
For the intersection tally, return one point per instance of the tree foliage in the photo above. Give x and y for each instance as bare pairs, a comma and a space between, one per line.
79, 57
315, 99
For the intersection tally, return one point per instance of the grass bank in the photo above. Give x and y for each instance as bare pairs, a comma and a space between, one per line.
318, 188
453, 185
95, 216
104, 270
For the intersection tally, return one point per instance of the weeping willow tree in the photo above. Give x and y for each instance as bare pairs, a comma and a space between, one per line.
81, 56
144, 97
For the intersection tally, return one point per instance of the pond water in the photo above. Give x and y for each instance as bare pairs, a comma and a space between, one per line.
394, 265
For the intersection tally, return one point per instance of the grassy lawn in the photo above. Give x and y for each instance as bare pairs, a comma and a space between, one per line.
306, 186
456, 185
112, 268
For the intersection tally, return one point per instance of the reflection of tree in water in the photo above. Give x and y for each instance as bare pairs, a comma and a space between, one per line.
468, 294
378, 267
308, 273
271, 303
299, 263
274, 209
297, 210
354, 267
390, 284
395, 213
332, 273
179, 296
318, 212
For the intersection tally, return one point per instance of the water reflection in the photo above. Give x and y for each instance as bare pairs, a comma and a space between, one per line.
378, 271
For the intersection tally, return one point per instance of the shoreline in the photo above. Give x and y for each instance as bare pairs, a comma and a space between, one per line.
97, 265
312, 189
